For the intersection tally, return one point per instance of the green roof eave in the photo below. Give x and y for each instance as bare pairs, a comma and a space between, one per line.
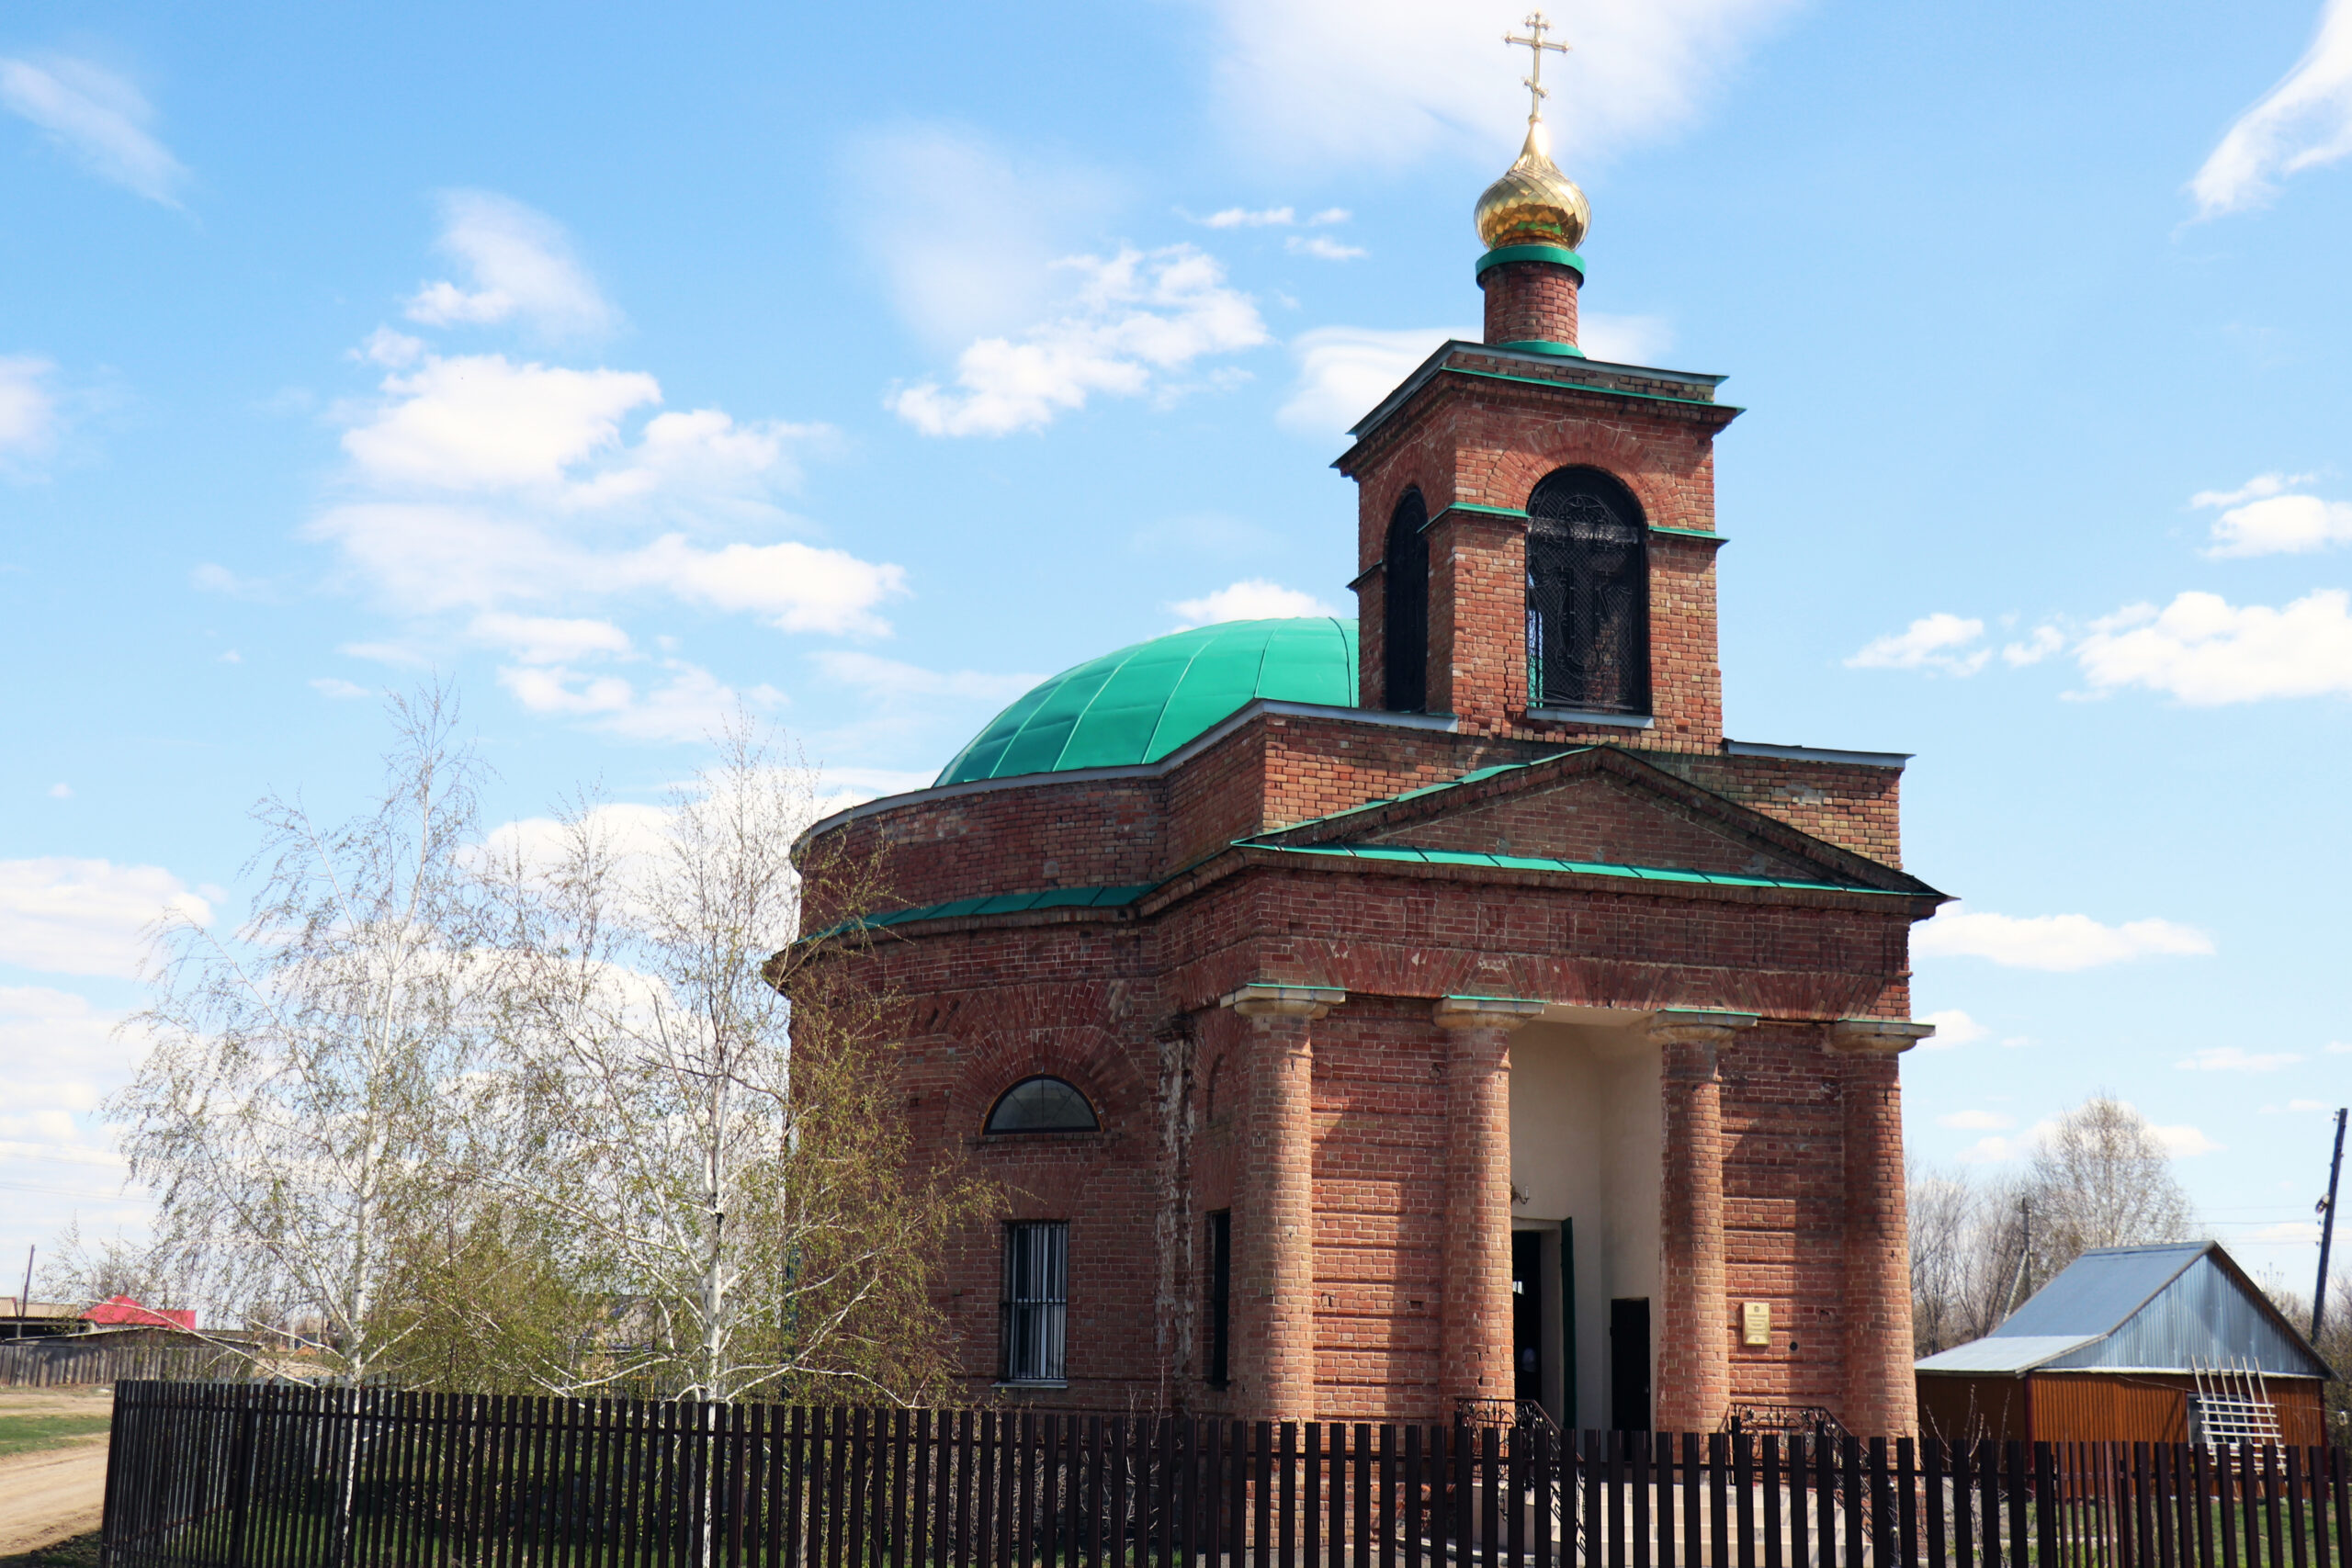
1401, 852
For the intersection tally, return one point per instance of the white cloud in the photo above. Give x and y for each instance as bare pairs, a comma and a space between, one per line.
2057, 943
1954, 1027
1331, 215
426, 559
85, 917
27, 411
98, 118
2297, 1106
1136, 318
2043, 642
63, 1037
544, 640
2235, 1059
519, 263
1252, 599
341, 690
1624, 340
1931, 642
2254, 489
2205, 651
2186, 1142
890, 678
2301, 123
2282, 524
2339, 1048
2303, 1232
1343, 372
1243, 218
691, 705
477, 422
60, 791
980, 264
1386, 79
1977, 1121
1323, 247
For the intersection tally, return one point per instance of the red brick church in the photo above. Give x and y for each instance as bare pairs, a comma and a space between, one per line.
1360, 1017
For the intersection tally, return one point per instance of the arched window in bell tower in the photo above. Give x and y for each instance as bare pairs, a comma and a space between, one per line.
1404, 612
1587, 595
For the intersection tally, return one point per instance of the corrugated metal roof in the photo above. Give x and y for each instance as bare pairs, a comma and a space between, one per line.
2098, 1291
2014, 1353
2166, 1308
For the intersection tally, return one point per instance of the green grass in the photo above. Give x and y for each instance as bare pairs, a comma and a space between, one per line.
30, 1434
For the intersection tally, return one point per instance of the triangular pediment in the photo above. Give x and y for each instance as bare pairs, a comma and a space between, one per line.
1597, 805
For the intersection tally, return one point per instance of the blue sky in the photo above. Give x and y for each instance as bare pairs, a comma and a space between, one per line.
865, 368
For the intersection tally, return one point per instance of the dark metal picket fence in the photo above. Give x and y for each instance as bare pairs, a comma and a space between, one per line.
238, 1476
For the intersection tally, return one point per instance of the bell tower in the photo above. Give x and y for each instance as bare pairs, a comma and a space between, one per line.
1536, 530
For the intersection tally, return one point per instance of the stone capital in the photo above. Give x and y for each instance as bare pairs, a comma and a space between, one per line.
1876, 1036
1697, 1026
1486, 1012
1264, 999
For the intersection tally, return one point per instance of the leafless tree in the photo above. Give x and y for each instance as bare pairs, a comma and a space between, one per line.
748, 1212
291, 1110
2102, 1178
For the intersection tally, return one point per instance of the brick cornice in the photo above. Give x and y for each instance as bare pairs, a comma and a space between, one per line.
1876, 1036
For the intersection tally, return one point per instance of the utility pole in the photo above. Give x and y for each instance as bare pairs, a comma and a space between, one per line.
2025, 1250
24, 1302
2327, 1229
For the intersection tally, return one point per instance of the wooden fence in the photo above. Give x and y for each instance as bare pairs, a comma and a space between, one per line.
74, 1361
239, 1476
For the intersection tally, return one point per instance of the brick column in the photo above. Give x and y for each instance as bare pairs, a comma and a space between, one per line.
1273, 1209
1693, 1384
1531, 301
1474, 1330
1881, 1395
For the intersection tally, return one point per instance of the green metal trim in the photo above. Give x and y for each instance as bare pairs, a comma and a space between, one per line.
1587, 386
1537, 345
1581, 868
1511, 514
1708, 534
1503, 256
994, 904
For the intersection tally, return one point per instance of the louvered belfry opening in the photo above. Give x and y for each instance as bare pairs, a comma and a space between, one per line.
1405, 624
1587, 595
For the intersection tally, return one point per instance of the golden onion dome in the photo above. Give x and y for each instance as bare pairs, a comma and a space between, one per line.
1533, 203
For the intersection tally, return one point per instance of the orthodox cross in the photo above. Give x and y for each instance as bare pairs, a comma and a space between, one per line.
1536, 44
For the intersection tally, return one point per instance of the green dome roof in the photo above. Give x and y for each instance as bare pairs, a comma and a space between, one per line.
1141, 702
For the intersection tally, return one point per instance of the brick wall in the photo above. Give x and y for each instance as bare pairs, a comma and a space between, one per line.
1530, 302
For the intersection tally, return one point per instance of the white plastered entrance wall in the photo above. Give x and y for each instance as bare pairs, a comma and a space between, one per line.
1586, 1135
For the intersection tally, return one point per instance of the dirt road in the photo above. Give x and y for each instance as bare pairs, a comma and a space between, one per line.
56, 1493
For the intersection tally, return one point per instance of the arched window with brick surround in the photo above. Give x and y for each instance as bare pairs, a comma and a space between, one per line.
1405, 607
1042, 1105
1587, 595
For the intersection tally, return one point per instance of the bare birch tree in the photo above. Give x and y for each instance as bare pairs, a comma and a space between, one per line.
2102, 1178
746, 1216
290, 1112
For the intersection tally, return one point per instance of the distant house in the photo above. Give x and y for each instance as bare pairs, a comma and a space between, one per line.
2132, 1343
121, 1312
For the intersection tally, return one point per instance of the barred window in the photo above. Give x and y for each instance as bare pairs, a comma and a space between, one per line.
1405, 614
1587, 595
1037, 1300
1042, 1105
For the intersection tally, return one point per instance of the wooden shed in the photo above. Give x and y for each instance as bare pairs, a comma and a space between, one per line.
2164, 1344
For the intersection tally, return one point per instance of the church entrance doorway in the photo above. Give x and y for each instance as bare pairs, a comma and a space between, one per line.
1629, 1364
1527, 1315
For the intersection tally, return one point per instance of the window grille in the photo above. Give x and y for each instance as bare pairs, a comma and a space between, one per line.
1220, 1297
1405, 623
1587, 595
1042, 1105
1037, 1300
